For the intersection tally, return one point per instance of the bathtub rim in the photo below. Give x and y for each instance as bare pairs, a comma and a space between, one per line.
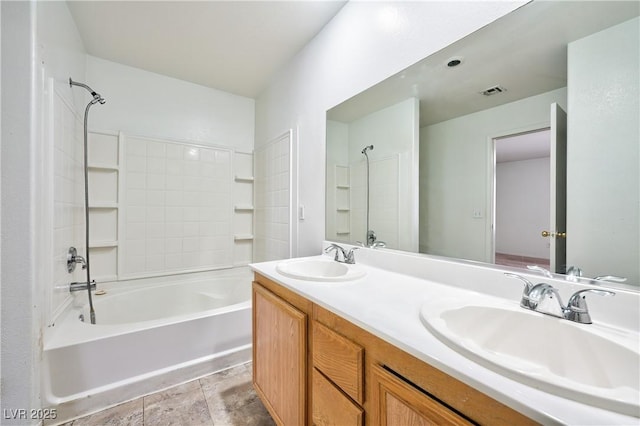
68, 330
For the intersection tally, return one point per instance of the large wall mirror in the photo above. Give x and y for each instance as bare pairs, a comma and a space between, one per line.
517, 145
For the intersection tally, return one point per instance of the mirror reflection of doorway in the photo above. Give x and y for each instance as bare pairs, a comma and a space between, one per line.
522, 181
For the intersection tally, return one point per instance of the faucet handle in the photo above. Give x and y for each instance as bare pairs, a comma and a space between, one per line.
350, 258
544, 271
337, 249
528, 285
577, 309
611, 278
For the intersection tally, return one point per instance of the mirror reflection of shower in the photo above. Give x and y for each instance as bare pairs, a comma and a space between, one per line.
88, 285
371, 238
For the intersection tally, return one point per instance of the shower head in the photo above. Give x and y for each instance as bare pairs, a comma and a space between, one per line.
96, 96
367, 148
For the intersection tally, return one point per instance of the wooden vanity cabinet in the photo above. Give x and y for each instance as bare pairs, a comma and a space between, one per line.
398, 402
313, 367
338, 378
280, 355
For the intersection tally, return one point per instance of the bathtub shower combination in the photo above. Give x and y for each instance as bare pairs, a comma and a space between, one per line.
152, 334
138, 334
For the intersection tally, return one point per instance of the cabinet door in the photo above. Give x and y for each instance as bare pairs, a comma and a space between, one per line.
330, 406
279, 356
396, 402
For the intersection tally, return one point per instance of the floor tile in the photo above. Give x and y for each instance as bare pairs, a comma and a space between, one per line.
226, 398
127, 414
232, 400
181, 405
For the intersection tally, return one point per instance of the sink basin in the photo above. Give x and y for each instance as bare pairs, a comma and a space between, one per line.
319, 270
587, 363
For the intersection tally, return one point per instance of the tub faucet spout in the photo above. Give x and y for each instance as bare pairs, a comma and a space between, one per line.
77, 286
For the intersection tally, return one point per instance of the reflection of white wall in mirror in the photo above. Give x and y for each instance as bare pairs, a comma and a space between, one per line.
393, 133
603, 153
454, 174
358, 218
522, 207
337, 226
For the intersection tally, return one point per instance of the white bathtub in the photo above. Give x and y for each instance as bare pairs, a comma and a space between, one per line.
149, 335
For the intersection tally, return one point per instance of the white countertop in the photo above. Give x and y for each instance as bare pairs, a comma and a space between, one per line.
387, 304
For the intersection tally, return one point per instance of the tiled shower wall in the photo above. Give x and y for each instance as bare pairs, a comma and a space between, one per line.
273, 199
156, 207
163, 207
384, 199
177, 208
68, 194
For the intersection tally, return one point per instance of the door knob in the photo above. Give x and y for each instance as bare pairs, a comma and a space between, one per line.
546, 234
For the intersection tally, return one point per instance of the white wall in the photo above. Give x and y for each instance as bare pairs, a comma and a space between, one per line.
603, 153
454, 174
147, 104
41, 50
522, 207
365, 43
337, 174
18, 317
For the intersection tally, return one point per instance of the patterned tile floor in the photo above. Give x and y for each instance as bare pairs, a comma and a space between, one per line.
225, 398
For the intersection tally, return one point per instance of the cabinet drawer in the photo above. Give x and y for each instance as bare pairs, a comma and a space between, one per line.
396, 402
340, 360
330, 407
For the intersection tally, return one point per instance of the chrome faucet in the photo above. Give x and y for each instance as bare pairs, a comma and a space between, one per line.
347, 256
77, 286
573, 273
611, 278
72, 258
540, 298
535, 297
372, 241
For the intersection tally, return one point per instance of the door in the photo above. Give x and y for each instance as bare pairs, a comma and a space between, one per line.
558, 191
279, 357
396, 402
521, 198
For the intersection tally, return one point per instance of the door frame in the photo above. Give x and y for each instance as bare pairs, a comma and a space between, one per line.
490, 223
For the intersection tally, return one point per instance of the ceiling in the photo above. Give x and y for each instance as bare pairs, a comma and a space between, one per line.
234, 46
524, 146
525, 52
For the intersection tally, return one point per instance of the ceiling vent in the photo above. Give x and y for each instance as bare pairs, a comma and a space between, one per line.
493, 90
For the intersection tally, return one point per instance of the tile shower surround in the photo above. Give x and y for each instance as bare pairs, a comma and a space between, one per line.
273, 199
177, 207
383, 200
67, 196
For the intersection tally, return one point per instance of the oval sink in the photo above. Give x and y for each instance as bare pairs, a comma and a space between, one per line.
319, 270
586, 363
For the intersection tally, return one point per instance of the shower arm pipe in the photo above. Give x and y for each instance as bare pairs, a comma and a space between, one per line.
364, 151
367, 233
96, 98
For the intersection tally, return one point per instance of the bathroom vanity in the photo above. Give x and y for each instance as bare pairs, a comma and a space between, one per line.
331, 352
312, 364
